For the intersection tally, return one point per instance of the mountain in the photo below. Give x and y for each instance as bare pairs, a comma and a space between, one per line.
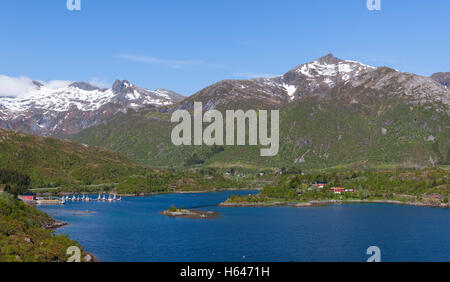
53, 162
269, 93
442, 77
333, 113
66, 110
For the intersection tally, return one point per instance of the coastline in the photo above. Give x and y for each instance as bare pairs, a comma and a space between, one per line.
330, 202
56, 224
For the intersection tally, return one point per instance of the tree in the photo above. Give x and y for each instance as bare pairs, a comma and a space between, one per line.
15, 190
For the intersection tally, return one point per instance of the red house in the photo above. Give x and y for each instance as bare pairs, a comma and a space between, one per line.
321, 184
29, 197
337, 190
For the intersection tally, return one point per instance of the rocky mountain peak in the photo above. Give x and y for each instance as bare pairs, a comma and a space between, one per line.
120, 85
37, 84
328, 59
442, 77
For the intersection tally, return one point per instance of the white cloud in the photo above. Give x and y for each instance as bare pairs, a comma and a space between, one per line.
15, 86
54, 84
21, 86
153, 60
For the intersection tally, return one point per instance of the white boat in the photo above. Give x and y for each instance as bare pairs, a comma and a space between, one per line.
115, 198
109, 198
87, 199
74, 199
104, 198
119, 199
99, 198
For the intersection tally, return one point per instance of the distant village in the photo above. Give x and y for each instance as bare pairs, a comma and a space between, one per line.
317, 185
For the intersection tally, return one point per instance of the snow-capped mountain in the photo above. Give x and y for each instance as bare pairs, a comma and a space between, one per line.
326, 72
320, 75
317, 78
67, 110
61, 111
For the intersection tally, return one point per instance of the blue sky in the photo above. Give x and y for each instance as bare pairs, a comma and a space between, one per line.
185, 45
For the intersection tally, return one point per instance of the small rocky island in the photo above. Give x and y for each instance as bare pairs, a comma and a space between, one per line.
182, 212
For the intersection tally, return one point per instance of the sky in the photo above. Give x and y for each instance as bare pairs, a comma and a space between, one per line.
186, 45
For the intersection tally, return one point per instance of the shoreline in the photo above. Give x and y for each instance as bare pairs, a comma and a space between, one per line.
89, 257
330, 202
192, 214
56, 224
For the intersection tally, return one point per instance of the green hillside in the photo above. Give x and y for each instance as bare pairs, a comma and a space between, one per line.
343, 128
23, 238
52, 162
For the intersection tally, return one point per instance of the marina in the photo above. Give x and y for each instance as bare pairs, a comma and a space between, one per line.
87, 198
32, 199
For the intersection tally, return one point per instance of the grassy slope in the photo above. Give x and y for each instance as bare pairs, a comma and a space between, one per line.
53, 162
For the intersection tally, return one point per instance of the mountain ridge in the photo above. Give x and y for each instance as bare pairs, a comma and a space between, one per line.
361, 115
66, 110
312, 78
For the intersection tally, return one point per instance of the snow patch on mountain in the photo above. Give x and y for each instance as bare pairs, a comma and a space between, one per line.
83, 97
290, 89
345, 70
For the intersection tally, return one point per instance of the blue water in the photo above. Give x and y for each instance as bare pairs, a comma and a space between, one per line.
133, 230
